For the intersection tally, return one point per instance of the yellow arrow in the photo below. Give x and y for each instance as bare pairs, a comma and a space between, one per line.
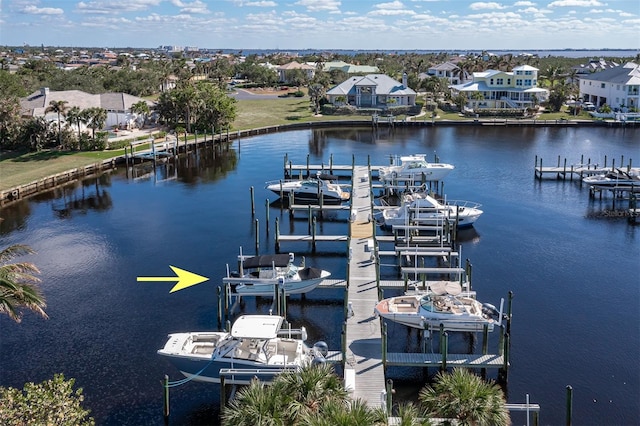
184, 279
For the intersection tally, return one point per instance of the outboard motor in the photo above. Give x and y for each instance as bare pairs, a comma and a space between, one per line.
489, 310
318, 360
322, 348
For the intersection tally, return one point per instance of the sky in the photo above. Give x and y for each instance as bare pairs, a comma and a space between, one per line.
431, 25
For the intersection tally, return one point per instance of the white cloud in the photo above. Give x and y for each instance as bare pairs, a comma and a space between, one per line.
320, 5
486, 5
391, 5
115, 6
576, 3
34, 10
196, 6
394, 8
524, 3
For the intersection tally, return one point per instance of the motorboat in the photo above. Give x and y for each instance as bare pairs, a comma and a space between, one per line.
322, 187
256, 344
456, 312
422, 209
259, 275
414, 168
614, 179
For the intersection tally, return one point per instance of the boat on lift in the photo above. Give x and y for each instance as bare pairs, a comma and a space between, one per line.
257, 345
413, 168
323, 187
614, 179
422, 209
260, 275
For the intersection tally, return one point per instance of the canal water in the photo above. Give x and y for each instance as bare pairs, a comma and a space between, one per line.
572, 262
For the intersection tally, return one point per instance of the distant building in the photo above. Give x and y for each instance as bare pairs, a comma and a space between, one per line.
372, 91
617, 87
348, 68
595, 65
284, 69
448, 70
502, 89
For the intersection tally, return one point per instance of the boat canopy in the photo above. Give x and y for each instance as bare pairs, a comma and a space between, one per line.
257, 326
268, 260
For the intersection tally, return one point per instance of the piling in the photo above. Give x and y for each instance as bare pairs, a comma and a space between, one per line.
257, 235
253, 205
266, 206
166, 399
219, 299
444, 347
389, 395
569, 415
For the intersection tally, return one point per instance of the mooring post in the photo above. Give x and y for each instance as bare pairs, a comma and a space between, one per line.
284, 301
569, 415
505, 359
308, 166
343, 346
166, 399
444, 349
223, 392
313, 235
266, 207
331, 163
219, 299
253, 206
257, 235
384, 346
389, 395
509, 307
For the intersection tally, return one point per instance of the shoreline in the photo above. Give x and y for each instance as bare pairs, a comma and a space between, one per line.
29, 189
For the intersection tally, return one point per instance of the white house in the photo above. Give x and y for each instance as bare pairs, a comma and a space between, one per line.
372, 91
448, 70
118, 105
617, 87
502, 89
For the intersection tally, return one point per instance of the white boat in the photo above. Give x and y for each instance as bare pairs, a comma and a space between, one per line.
259, 275
422, 209
414, 168
256, 344
614, 179
311, 189
456, 312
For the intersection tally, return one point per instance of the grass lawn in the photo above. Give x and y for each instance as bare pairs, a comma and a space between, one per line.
16, 169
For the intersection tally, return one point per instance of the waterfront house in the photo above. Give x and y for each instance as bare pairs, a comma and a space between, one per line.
348, 68
283, 70
448, 70
372, 91
617, 87
118, 105
496, 89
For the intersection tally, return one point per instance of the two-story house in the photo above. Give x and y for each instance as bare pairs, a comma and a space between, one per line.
617, 87
372, 91
502, 89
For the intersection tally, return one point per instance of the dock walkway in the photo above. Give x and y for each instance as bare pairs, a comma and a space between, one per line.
363, 335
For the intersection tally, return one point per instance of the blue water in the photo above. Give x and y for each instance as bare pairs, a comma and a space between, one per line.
572, 262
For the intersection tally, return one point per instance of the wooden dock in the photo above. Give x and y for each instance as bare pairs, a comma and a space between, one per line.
364, 369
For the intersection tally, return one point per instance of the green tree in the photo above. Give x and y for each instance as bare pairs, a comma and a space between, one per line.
75, 117
52, 402
9, 121
18, 284
465, 397
316, 94
34, 132
60, 108
141, 108
96, 118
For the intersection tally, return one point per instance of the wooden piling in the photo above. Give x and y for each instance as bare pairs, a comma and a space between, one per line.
166, 399
569, 405
257, 226
253, 205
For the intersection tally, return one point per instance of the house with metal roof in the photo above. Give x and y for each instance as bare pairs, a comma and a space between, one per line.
372, 91
448, 70
349, 68
118, 105
617, 87
503, 90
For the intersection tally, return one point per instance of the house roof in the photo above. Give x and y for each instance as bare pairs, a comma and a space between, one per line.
36, 103
525, 68
481, 86
446, 66
295, 66
628, 74
384, 84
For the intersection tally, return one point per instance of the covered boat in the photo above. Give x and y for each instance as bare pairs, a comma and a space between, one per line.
259, 275
257, 345
617, 178
313, 189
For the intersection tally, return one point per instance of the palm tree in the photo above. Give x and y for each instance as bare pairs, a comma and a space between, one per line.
18, 285
337, 413
141, 108
410, 414
96, 118
292, 397
463, 396
59, 107
74, 116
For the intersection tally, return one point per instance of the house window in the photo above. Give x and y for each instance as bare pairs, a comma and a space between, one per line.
535, 83
491, 82
509, 81
500, 81
602, 85
527, 82
518, 82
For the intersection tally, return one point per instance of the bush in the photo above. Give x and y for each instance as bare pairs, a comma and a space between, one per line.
53, 402
298, 93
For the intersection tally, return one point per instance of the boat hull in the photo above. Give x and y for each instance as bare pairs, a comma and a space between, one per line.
417, 321
267, 286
